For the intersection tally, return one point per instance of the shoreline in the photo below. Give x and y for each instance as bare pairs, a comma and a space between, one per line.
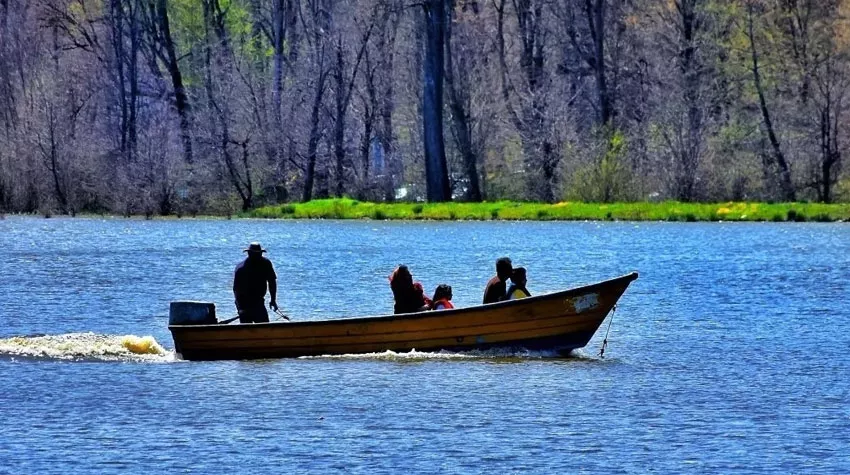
666, 211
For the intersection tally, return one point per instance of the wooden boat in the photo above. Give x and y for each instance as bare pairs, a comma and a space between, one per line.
560, 321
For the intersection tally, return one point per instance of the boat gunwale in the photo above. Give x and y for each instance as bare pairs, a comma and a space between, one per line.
627, 278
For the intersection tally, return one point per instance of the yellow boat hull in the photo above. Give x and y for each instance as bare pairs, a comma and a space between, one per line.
560, 321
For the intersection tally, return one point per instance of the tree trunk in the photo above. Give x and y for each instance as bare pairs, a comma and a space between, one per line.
248, 199
460, 117
52, 156
596, 21
116, 8
778, 157
436, 170
277, 79
133, 73
386, 52
830, 152
366, 144
339, 119
181, 100
8, 111
243, 189
291, 21
690, 150
343, 92
315, 136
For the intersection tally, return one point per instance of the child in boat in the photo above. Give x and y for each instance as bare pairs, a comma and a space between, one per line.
420, 294
442, 298
517, 289
409, 296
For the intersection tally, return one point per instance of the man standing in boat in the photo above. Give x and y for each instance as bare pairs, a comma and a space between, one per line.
252, 277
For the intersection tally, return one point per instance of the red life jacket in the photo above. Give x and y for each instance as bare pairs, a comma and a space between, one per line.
446, 303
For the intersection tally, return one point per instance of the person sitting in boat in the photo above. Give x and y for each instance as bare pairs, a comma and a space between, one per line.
420, 294
517, 289
252, 277
442, 298
409, 296
496, 289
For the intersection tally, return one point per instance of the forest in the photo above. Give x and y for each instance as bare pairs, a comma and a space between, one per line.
163, 107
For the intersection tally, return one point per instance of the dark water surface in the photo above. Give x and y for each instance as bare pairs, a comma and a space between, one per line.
728, 354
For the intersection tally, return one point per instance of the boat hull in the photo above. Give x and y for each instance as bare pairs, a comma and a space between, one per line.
560, 321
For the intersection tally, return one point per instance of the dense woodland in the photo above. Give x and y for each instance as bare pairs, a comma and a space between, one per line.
215, 106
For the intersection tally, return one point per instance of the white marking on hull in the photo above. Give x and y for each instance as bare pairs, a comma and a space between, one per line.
585, 302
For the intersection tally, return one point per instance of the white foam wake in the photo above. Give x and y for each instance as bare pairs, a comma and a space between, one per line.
445, 355
86, 346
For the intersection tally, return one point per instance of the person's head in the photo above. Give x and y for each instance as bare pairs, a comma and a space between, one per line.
504, 269
254, 250
401, 276
518, 277
443, 291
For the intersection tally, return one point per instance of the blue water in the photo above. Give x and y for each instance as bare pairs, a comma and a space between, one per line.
728, 354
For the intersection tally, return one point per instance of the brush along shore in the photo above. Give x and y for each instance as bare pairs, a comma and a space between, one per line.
565, 211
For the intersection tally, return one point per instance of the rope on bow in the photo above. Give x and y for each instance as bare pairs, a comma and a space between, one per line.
605, 341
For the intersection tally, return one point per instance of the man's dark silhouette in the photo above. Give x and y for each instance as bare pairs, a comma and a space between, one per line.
496, 289
252, 277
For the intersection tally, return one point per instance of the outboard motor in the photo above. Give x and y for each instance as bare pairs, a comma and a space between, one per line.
192, 313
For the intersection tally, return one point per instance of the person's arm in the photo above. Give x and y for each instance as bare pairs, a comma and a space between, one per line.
272, 287
273, 294
487, 290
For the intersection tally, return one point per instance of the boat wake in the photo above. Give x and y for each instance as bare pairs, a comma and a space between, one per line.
86, 347
414, 355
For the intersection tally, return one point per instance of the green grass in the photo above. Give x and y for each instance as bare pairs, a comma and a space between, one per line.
567, 211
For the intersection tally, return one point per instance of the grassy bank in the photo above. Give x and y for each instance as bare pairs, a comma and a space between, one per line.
568, 211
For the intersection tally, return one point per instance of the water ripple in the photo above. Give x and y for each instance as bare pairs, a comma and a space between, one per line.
728, 355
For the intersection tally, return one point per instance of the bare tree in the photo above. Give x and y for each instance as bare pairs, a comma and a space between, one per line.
529, 91
8, 105
683, 26
161, 43
8, 109
818, 65
49, 145
343, 87
459, 95
316, 28
389, 21
282, 12
774, 156
126, 42
586, 27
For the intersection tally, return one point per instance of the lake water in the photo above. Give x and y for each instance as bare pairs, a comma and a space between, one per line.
728, 354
